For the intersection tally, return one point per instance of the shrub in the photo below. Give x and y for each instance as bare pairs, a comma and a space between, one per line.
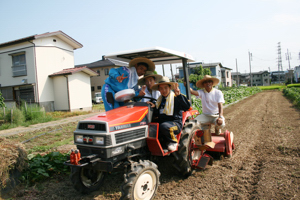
293, 85
15, 116
293, 94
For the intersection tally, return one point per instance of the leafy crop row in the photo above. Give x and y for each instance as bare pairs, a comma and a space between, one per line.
230, 95
42, 167
293, 94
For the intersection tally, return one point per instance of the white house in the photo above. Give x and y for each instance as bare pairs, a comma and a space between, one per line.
72, 89
26, 63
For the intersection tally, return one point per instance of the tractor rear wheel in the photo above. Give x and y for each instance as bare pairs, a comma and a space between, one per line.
184, 156
86, 180
140, 181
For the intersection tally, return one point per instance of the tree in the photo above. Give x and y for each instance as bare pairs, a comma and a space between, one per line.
198, 74
2, 104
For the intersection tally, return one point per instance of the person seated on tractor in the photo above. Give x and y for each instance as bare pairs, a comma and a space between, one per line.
168, 109
212, 104
125, 78
149, 80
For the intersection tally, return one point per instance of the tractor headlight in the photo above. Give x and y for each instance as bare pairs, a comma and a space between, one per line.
100, 140
79, 138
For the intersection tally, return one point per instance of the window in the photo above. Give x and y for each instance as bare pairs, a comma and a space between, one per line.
19, 65
106, 71
93, 88
7, 93
227, 73
98, 71
99, 87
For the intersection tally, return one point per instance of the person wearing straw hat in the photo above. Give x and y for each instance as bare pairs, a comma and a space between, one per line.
168, 109
149, 80
125, 78
212, 103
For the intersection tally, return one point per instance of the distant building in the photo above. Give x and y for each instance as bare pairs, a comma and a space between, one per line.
297, 74
277, 77
260, 78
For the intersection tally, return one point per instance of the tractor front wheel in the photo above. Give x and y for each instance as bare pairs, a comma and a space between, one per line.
86, 180
140, 181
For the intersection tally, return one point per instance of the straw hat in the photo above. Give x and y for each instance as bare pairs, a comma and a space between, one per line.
157, 77
199, 83
135, 61
163, 81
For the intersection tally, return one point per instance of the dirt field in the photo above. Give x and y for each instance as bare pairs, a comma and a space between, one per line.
265, 163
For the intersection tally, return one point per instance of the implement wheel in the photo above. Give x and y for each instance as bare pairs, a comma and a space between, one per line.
86, 180
184, 156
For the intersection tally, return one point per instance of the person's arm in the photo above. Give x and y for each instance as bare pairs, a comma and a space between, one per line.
183, 101
194, 92
117, 74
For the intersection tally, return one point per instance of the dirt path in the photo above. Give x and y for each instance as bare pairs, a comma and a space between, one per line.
265, 163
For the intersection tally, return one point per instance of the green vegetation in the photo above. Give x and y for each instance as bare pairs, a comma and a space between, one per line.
293, 93
42, 167
33, 114
294, 85
2, 104
198, 74
272, 87
231, 95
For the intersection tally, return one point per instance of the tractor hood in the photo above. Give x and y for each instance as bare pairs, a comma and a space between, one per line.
123, 117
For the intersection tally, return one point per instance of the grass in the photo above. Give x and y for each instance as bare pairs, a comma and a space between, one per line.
272, 87
45, 140
49, 116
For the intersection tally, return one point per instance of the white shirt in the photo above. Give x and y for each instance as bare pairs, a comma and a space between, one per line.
154, 94
210, 100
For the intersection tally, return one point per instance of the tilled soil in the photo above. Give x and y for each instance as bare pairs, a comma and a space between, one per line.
265, 163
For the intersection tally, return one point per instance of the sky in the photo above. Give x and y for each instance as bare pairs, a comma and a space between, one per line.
211, 31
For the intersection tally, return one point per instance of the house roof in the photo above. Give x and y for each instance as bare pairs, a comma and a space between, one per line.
59, 34
74, 70
104, 63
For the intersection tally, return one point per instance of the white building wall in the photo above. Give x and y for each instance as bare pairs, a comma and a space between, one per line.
80, 92
50, 58
60, 86
6, 75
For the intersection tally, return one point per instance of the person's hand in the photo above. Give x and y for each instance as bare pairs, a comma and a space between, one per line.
176, 89
219, 121
152, 105
121, 78
142, 91
191, 90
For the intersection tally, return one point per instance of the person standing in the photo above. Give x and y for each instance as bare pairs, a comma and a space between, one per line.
212, 104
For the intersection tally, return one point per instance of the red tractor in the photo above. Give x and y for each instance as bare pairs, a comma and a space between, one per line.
126, 138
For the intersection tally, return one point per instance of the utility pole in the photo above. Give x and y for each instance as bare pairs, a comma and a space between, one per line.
288, 57
250, 58
237, 74
171, 72
163, 69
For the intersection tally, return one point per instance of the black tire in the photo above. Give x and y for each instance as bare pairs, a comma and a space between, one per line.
141, 181
183, 157
86, 180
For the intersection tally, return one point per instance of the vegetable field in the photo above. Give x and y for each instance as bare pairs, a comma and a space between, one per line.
230, 95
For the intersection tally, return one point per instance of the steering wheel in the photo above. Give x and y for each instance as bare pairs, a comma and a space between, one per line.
135, 99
